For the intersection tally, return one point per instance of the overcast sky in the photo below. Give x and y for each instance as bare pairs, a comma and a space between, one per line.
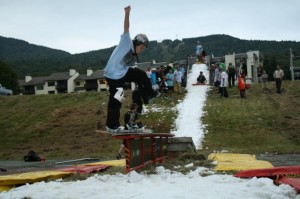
83, 25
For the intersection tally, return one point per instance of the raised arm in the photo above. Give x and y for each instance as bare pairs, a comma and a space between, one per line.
126, 20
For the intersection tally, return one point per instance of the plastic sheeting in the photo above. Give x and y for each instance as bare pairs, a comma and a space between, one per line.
113, 163
10, 181
30, 177
84, 169
237, 162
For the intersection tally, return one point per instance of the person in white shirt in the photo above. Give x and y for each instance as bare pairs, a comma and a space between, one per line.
178, 79
223, 83
278, 75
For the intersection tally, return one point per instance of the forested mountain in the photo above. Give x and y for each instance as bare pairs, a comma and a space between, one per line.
25, 58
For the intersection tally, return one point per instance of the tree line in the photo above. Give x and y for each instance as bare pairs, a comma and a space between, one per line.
24, 58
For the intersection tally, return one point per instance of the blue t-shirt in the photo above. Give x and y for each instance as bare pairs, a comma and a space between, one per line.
170, 79
198, 49
121, 58
153, 78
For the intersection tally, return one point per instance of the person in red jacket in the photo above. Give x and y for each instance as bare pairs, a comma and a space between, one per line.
242, 86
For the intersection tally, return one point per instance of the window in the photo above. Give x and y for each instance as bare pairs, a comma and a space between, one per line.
51, 84
39, 87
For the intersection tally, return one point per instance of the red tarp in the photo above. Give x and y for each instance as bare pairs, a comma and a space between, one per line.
289, 175
294, 182
270, 172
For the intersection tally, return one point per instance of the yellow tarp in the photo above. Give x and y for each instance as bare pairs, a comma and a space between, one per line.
10, 181
237, 162
113, 163
30, 177
6, 188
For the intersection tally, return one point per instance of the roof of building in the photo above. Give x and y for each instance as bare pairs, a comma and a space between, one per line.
58, 76
33, 81
99, 74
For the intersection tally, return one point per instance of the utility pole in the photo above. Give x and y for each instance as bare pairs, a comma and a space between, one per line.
291, 64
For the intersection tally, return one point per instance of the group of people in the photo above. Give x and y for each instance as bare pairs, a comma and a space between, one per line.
164, 78
226, 77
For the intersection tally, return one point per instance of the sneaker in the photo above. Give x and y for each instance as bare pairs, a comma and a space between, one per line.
119, 156
117, 129
136, 127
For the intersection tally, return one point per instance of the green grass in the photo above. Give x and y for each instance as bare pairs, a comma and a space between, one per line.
63, 126
264, 122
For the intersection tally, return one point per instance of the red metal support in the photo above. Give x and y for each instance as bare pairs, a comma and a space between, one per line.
128, 137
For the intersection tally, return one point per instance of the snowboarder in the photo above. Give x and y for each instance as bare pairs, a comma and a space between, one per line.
121, 68
201, 78
199, 50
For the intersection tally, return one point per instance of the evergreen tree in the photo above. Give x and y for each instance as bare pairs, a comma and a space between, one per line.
9, 78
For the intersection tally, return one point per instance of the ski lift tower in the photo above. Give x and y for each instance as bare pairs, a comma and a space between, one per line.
292, 68
291, 65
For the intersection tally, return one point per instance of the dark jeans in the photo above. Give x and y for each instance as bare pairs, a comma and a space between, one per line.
133, 75
278, 84
231, 79
137, 98
223, 92
243, 93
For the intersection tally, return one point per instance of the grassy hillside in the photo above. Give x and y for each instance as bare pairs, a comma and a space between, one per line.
63, 126
264, 122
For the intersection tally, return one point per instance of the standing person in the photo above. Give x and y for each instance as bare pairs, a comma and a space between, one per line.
264, 79
231, 75
170, 82
278, 75
148, 72
243, 70
178, 79
153, 78
182, 70
223, 83
160, 78
242, 86
216, 77
260, 70
118, 71
199, 49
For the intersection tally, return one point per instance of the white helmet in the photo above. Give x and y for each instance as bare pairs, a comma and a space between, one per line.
141, 39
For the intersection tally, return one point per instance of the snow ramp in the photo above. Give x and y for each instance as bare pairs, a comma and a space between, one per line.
190, 110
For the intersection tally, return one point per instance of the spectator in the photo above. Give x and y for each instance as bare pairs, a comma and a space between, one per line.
264, 79
148, 72
242, 86
182, 70
153, 79
178, 79
223, 83
278, 75
231, 75
217, 77
170, 82
260, 70
243, 70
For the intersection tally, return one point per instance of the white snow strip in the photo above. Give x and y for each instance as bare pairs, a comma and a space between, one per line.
190, 110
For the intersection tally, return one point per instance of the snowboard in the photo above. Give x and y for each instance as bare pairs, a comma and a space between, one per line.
120, 132
198, 84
